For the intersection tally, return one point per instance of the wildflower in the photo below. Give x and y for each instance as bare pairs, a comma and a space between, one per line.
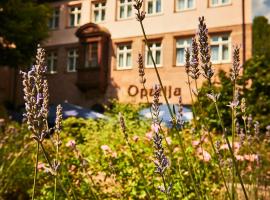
141, 69
105, 148
135, 138
214, 97
168, 140
239, 157
208, 72
236, 64
149, 135
59, 117
71, 143
187, 61
41, 166
203, 155
195, 71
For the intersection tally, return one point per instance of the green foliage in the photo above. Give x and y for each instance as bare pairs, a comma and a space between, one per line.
23, 23
257, 86
260, 34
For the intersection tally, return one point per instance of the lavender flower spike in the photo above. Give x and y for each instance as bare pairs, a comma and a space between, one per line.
236, 63
141, 69
208, 72
195, 71
161, 160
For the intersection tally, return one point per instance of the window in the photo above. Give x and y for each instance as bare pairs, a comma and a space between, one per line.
153, 6
214, 3
51, 62
74, 16
156, 52
181, 45
125, 9
72, 60
124, 60
91, 55
185, 5
98, 14
54, 20
220, 48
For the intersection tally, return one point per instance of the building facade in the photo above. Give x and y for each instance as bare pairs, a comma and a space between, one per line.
93, 48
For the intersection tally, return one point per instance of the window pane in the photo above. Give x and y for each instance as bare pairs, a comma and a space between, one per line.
214, 52
129, 12
56, 22
158, 6
190, 4
78, 19
122, 12
214, 39
128, 64
225, 1
96, 14
180, 42
225, 52
180, 55
121, 60
70, 64
149, 60
150, 7
71, 23
158, 58
225, 38
103, 15
181, 4
54, 65
214, 2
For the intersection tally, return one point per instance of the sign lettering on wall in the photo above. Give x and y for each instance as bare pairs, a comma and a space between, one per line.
135, 91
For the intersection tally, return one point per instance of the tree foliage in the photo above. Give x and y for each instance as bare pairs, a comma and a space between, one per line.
23, 26
261, 40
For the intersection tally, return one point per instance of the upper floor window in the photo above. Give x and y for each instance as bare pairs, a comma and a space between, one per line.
91, 55
220, 48
181, 45
185, 5
124, 60
99, 10
51, 62
214, 3
74, 15
156, 49
125, 9
72, 61
54, 20
153, 6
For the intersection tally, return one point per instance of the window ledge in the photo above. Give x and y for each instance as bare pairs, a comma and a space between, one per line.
222, 5
154, 14
185, 10
123, 68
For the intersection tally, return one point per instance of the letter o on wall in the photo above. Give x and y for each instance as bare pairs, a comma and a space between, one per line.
133, 90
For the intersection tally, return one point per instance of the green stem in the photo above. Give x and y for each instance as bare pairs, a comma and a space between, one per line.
36, 171
51, 166
155, 67
188, 166
231, 152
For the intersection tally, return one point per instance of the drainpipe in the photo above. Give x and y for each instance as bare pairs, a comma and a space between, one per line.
244, 31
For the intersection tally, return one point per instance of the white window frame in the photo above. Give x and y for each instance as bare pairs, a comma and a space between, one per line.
186, 6
154, 2
52, 68
220, 43
99, 9
219, 3
124, 52
154, 48
126, 4
76, 12
72, 53
184, 47
55, 17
